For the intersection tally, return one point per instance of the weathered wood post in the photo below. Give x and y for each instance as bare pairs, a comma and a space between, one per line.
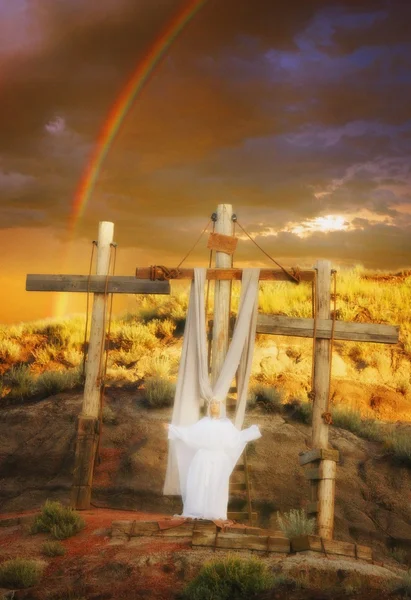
88, 421
222, 294
323, 488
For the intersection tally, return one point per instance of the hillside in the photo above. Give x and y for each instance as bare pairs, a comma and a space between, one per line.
41, 395
36, 460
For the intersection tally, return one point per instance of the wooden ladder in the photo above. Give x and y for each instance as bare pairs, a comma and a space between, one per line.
249, 515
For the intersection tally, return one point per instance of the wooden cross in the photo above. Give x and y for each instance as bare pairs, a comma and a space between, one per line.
100, 285
321, 457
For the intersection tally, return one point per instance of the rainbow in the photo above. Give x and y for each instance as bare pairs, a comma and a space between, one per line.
112, 124
124, 102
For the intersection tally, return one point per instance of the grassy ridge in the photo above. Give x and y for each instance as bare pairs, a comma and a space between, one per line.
44, 357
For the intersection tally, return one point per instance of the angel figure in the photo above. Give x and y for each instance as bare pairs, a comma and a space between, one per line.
207, 453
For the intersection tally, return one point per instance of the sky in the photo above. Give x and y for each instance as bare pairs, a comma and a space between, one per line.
298, 114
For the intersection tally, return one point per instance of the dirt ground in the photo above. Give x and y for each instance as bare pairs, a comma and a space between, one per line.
98, 567
37, 441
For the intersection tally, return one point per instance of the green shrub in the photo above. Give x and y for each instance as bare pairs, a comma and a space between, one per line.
265, 396
295, 523
399, 554
159, 391
230, 579
53, 549
403, 586
131, 336
347, 418
109, 416
9, 350
58, 334
351, 420
20, 573
45, 354
398, 443
372, 430
61, 521
159, 366
53, 382
21, 381
300, 410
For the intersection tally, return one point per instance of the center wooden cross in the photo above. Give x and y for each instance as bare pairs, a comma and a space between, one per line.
321, 458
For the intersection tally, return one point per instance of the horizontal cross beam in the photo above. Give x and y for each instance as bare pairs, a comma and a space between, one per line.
220, 274
116, 284
360, 332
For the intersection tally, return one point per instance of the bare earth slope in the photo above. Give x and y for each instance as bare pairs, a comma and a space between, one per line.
373, 498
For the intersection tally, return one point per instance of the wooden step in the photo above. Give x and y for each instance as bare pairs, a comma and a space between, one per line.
238, 468
237, 487
314, 543
241, 541
241, 516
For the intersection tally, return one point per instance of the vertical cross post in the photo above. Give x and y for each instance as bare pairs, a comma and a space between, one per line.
323, 489
222, 294
88, 421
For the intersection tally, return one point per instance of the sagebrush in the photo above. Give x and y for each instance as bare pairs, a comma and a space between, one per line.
295, 523
231, 578
58, 520
20, 573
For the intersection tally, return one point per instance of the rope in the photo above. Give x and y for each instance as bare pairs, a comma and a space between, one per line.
216, 538
93, 246
198, 239
105, 347
294, 276
213, 218
323, 547
327, 414
231, 281
311, 394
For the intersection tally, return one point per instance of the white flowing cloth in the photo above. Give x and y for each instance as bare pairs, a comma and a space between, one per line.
193, 388
214, 445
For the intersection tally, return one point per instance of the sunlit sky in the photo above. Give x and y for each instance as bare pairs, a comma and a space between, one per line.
298, 114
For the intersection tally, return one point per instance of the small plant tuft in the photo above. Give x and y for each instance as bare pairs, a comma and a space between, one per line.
398, 443
295, 523
267, 397
403, 586
53, 382
109, 416
53, 549
61, 521
300, 410
230, 579
159, 391
21, 382
399, 555
20, 573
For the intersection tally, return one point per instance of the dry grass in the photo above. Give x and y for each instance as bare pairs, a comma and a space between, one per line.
295, 523
147, 343
20, 573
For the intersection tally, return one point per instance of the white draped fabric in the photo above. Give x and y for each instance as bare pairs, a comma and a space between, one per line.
214, 445
193, 384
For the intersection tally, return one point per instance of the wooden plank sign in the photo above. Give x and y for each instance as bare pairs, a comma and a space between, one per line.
222, 243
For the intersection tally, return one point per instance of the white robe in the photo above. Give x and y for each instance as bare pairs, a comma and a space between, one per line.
206, 455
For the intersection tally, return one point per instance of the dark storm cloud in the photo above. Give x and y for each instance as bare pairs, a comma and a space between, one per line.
287, 112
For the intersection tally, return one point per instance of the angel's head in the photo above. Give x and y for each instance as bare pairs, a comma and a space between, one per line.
214, 408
